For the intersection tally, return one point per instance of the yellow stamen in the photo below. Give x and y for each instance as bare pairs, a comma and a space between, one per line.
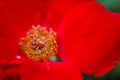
39, 44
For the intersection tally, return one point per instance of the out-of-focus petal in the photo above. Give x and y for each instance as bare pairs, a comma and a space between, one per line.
32, 70
57, 9
90, 38
62, 71
9, 38
24, 12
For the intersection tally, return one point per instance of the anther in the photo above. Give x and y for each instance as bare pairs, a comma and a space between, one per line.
39, 44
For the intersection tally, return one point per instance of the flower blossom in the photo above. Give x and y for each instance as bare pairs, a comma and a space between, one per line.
16, 18
35, 64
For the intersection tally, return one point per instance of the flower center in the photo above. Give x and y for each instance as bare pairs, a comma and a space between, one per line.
39, 44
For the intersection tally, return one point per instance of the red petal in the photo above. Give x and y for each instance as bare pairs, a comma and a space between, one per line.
62, 71
9, 37
91, 38
24, 12
13, 15
56, 9
32, 70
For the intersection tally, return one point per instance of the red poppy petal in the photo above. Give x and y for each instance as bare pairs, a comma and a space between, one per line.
91, 38
62, 71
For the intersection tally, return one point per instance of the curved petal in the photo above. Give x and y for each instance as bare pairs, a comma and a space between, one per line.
9, 37
62, 71
24, 12
9, 71
90, 38
32, 70
56, 9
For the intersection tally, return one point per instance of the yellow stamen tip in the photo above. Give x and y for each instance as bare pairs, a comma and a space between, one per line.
39, 44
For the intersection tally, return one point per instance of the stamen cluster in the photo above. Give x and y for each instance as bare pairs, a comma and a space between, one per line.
39, 44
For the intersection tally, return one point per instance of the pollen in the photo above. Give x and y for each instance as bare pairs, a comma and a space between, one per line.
39, 43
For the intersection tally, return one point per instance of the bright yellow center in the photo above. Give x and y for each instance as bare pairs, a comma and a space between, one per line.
39, 44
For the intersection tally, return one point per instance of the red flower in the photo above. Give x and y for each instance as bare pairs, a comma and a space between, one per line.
90, 38
10, 68
22, 14
14, 67
39, 45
